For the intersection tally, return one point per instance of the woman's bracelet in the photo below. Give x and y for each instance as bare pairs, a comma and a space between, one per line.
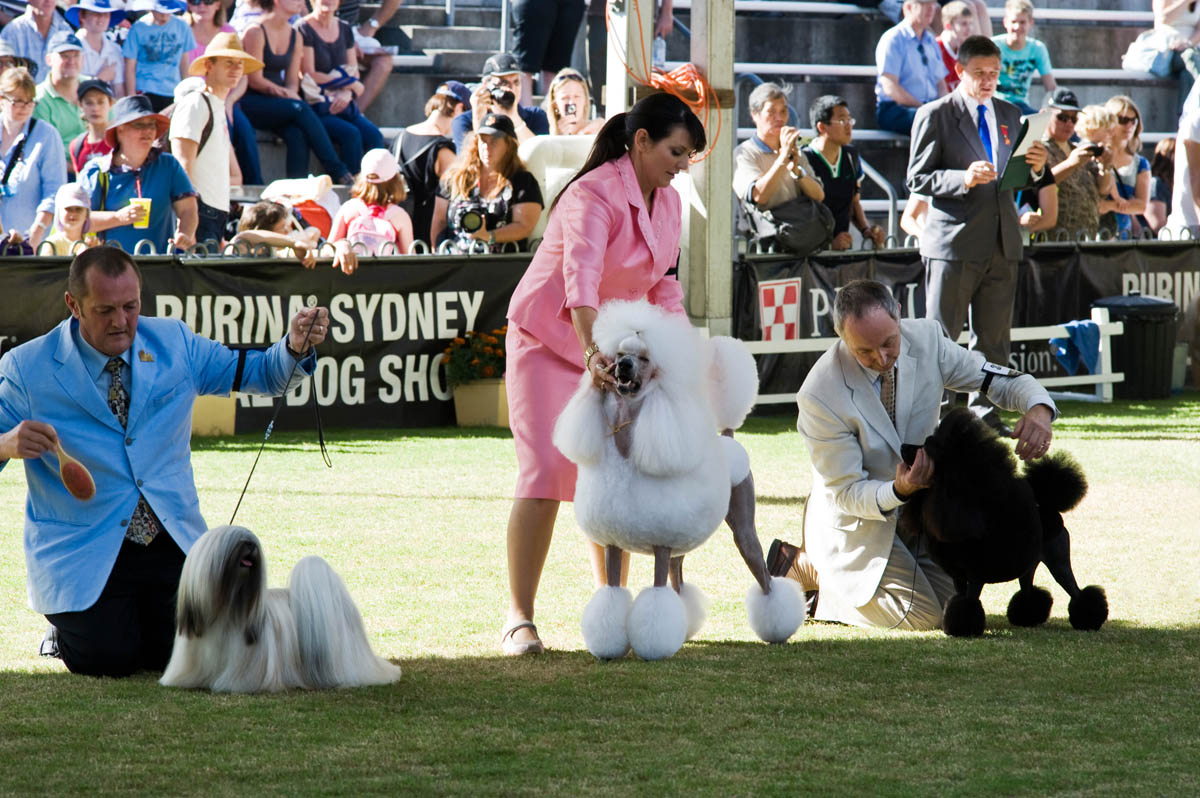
588, 354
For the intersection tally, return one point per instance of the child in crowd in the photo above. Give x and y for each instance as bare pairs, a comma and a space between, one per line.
1020, 56
958, 23
95, 102
72, 208
102, 57
372, 217
156, 51
273, 224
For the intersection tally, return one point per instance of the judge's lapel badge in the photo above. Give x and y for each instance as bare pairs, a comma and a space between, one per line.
1004, 133
145, 356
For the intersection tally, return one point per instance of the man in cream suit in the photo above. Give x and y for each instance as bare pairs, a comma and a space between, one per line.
117, 393
868, 576
972, 239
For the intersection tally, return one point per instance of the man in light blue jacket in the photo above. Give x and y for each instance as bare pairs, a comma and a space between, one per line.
117, 393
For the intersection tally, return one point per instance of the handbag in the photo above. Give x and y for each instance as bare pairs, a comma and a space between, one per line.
1150, 52
800, 226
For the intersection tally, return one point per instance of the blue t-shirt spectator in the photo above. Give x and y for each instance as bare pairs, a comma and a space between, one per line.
157, 49
161, 178
1017, 68
916, 63
35, 177
1126, 184
535, 118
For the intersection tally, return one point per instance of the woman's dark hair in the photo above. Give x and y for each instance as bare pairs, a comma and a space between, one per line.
658, 114
1162, 165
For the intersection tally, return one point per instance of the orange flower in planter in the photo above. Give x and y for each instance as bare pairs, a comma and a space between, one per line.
473, 356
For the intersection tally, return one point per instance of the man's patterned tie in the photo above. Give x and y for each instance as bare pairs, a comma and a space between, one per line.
887, 393
144, 525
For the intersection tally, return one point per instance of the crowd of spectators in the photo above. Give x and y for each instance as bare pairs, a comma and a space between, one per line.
306, 70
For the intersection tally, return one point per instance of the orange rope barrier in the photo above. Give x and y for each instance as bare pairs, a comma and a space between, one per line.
685, 82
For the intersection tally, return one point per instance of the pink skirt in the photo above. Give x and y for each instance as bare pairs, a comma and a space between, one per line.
539, 384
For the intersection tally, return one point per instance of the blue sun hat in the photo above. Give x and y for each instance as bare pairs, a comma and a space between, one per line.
114, 9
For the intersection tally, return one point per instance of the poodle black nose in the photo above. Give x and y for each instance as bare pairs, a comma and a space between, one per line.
626, 368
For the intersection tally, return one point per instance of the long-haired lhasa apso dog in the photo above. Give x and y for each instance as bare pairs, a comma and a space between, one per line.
234, 635
656, 476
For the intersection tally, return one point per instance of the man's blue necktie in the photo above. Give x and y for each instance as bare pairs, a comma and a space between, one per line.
984, 135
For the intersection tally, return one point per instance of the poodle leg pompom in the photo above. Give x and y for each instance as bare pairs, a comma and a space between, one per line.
657, 623
1089, 610
695, 605
604, 622
775, 616
963, 617
1030, 606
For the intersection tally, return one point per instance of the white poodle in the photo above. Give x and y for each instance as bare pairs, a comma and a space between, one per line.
656, 476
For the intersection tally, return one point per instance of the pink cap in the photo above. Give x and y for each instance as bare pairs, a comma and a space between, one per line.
379, 166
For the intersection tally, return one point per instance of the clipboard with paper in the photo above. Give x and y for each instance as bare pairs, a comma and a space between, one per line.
1016, 171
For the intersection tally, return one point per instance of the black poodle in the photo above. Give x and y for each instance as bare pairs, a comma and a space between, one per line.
984, 523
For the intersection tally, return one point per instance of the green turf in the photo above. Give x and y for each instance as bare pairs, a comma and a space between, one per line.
414, 521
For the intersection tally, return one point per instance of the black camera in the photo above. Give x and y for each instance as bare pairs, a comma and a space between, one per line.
469, 217
570, 108
503, 96
1095, 149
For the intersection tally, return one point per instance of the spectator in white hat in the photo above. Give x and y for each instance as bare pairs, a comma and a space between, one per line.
72, 209
102, 57
372, 219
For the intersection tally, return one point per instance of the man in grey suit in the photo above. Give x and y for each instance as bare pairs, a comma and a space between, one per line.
972, 238
868, 575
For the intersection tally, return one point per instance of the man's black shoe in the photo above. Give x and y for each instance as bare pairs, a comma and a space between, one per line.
780, 557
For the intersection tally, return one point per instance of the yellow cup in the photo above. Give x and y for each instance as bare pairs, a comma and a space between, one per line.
145, 203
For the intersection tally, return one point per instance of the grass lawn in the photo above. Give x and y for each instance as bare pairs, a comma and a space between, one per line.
414, 522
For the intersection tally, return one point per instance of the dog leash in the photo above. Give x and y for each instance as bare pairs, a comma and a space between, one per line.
275, 415
912, 589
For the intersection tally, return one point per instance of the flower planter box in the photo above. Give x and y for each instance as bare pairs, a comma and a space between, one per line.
482, 403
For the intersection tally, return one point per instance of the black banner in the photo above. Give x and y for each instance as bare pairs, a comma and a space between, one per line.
380, 365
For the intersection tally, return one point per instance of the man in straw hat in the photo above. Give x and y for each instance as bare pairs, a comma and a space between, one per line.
199, 137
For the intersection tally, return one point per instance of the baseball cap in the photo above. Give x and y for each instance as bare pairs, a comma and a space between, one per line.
94, 84
457, 90
379, 166
62, 42
1065, 99
500, 64
72, 195
497, 125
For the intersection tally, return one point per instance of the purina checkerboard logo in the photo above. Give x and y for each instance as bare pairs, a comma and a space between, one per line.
779, 309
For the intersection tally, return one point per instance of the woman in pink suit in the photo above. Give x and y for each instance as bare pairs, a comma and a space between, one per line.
613, 234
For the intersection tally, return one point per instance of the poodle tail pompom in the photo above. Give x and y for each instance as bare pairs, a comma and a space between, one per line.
1089, 610
1058, 482
733, 381
776, 616
695, 604
657, 623
1030, 606
604, 620
963, 616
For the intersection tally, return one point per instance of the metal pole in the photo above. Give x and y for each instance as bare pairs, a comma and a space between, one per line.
449, 13
504, 26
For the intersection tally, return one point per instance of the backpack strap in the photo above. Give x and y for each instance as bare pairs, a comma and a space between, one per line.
208, 126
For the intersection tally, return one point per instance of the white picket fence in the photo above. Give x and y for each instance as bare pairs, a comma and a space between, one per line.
1103, 380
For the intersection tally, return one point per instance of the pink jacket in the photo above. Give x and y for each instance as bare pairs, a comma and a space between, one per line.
600, 244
